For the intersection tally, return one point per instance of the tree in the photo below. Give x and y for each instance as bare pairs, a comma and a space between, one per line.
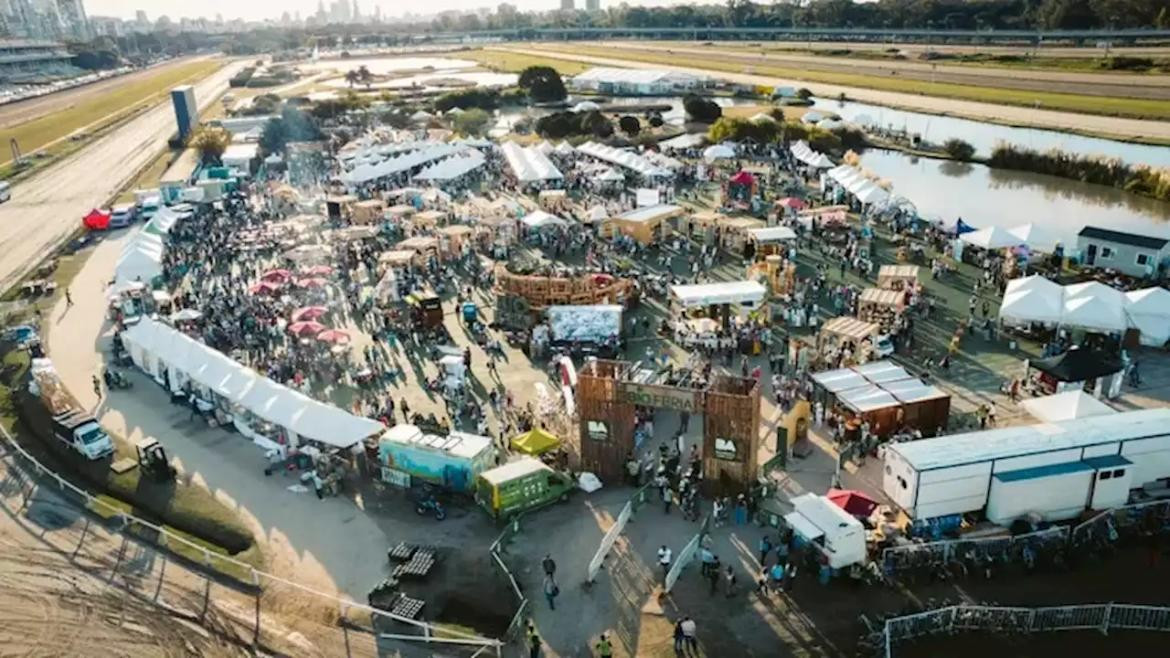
471, 122
351, 77
543, 84
804, 93
958, 149
211, 142
630, 125
656, 120
299, 126
364, 75
701, 109
275, 136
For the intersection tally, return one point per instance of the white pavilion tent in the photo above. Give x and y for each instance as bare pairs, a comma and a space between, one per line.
1068, 405
529, 164
1033, 299
541, 219
718, 152
625, 159
992, 237
1094, 306
1148, 311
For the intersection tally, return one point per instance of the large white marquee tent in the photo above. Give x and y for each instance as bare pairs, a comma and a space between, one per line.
529, 164
1091, 305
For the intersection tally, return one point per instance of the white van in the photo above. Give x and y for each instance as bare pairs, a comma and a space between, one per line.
122, 215
5, 191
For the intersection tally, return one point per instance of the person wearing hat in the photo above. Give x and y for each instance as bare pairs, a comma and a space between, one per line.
604, 647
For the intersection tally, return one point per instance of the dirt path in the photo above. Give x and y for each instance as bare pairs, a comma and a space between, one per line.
1073, 82
1125, 129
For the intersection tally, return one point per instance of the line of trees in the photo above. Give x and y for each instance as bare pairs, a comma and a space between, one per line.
1143, 180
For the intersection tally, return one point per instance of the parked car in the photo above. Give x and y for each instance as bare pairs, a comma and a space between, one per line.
122, 216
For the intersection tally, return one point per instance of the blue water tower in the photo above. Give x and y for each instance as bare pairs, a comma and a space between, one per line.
186, 111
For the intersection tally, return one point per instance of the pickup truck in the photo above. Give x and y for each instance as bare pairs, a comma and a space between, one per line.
82, 433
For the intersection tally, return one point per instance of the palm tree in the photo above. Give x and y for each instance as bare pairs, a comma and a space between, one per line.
351, 77
211, 142
364, 76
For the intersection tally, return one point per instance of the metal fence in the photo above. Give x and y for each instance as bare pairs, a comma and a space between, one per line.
106, 535
912, 556
636, 502
687, 554
1101, 617
1123, 519
498, 549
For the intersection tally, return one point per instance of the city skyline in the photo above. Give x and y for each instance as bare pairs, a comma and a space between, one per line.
259, 10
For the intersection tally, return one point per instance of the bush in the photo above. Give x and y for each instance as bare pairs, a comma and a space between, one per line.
543, 84
472, 122
656, 120
559, 125
702, 109
958, 149
737, 130
1147, 181
630, 125
484, 99
1123, 63
804, 93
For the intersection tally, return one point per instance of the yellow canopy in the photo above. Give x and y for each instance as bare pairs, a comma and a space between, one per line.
535, 442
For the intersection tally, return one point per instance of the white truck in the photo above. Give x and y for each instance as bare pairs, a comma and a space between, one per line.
75, 428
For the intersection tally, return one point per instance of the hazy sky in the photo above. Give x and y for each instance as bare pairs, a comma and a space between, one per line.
259, 9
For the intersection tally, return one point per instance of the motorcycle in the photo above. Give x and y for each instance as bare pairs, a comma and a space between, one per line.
116, 380
430, 505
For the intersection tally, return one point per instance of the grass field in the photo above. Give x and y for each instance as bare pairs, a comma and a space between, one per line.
94, 113
516, 62
1120, 107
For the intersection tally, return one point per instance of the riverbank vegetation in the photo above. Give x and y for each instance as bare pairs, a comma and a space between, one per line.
1140, 179
834, 141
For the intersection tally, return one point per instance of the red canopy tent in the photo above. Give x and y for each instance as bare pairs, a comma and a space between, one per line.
792, 202
96, 220
741, 187
743, 178
853, 502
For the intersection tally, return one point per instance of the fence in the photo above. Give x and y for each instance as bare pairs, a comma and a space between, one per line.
498, 549
1099, 617
910, 556
636, 502
687, 554
240, 585
1124, 518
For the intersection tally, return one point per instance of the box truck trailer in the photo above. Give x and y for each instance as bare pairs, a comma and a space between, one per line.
1055, 470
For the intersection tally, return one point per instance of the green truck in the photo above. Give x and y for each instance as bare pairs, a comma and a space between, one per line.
519, 486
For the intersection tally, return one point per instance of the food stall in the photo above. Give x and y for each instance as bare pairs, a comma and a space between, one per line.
424, 247
700, 226
535, 442
736, 233
925, 407
400, 212
778, 273
372, 211
846, 333
1096, 372
771, 240
898, 277
452, 461
428, 219
646, 225
881, 306
338, 208
716, 300
829, 529
453, 238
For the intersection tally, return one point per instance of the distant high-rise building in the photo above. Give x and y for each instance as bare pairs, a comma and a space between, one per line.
186, 111
357, 14
140, 17
567, 5
76, 22
592, 5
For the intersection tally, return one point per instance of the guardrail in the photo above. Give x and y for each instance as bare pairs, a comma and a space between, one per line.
1099, 616
498, 549
1122, 518
160, 538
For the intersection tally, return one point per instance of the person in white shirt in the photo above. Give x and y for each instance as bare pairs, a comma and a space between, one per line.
664, 555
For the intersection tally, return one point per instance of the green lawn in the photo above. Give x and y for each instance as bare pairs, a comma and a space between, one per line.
106, 108
516, 62
1121, 107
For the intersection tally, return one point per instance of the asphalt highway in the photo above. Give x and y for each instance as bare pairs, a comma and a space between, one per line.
46, 208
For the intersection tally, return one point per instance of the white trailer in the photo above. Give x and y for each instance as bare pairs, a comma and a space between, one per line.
1056, 470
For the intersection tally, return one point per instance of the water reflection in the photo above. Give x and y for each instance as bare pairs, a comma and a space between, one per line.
984, 136
992, 197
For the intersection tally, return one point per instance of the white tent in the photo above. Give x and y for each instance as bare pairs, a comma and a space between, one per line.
586, 106
1032, 299
540, 219
564, 148
992, 237
684, 141
718, 152
626, 159
545, 147
1069, 405
762, 118
1035, 237
155, 346
1148, 311
140, 259
1094, 306
452, 168
529, 164
610, 176
872, 194
597, 213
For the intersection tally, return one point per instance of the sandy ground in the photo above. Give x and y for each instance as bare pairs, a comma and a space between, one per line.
1073, 82
1129, 129
48, 207
27, 110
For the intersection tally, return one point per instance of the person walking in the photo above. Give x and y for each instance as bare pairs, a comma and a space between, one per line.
765, 548
604, 647
688, 631
405, 411
713, 575
68, 299
551, 591
667, 498
679, 639
729, 577
664, 555
549, 566
776, 573
97, 387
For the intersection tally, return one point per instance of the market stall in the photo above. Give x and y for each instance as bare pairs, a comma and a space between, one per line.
737, 238
898, 277
719, 301
535, 442
881, 306
1096, 372
371, 211
428, 219
455, 238
423, 246
647, 225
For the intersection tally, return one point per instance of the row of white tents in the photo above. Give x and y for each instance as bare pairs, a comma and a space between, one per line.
158, 348
1092, 306
405, 162
142, 255
865, 190
803, 152
635, 162
529, 164
1032, 236
453, 167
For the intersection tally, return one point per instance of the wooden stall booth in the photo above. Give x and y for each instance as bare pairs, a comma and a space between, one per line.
776, 272
400, 213
736, 232
700, 226
854, 336
881, 306
898, 277
608, 393
770, 240
453, 238
423, 246
646, 225
397, 259
371, 211
428, 219
339, 208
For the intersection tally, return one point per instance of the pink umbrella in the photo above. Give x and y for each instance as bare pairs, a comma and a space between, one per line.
319, 270
309, 313
308, 328
312, 282
276, 276
333, 336
264, 287
792, 202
